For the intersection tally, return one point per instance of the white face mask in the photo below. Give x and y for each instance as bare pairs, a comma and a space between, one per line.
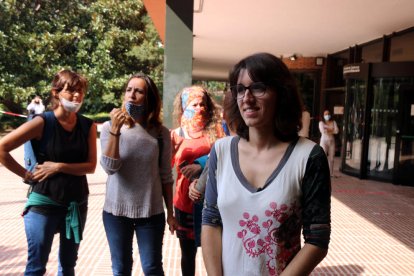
70, 106
327, 117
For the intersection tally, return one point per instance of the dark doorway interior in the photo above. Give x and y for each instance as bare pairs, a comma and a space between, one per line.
379, 122
309, 86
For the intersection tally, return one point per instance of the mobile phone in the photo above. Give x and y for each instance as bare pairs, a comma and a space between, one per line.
183, 164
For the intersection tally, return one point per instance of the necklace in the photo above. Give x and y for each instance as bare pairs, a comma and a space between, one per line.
195, 135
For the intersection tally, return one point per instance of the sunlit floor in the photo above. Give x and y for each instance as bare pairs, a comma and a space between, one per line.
372, 230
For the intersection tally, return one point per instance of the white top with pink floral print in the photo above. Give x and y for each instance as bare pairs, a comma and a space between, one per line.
261, 228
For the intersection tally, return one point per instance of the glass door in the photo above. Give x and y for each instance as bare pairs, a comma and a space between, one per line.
383, 128
378, 133
308, 84
354, 130
405, 134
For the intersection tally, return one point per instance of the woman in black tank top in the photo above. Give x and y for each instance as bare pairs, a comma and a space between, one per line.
64, 144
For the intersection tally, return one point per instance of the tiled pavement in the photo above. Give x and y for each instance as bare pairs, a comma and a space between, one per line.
372, 230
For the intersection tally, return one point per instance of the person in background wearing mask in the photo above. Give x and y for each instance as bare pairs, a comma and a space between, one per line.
328, 128
200, 126
58, 201
36, 106
136, 155
198, 186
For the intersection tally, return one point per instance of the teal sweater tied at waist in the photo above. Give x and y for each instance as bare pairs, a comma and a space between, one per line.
72, 216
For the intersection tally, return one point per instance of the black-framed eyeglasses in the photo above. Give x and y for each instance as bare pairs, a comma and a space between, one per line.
257, 89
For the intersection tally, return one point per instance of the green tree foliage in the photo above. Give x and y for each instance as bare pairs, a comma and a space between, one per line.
105, 40
216, 88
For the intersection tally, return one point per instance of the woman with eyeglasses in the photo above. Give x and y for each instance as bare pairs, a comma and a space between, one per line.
199, 126
64, 143
136, 155
266, 184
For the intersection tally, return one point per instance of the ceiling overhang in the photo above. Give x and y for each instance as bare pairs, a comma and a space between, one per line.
226, 31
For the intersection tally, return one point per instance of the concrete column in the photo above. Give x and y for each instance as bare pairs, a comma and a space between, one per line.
178, 53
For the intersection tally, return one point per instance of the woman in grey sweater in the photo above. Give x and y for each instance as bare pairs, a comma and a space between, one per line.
136, 155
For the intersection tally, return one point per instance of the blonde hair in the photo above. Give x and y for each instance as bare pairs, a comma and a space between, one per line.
213, 128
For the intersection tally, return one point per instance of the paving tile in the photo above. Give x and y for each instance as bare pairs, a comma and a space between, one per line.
372, 230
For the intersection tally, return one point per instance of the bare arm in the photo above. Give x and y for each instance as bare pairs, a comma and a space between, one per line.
191, 171
322, 127
212, 247
176, 141
30, 130
335, 128
193, 193
304, 132
305, 261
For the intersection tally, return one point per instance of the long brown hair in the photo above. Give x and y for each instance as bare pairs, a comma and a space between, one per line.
151, 116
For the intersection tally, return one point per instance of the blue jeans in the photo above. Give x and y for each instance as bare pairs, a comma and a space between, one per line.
120, 233
40, 230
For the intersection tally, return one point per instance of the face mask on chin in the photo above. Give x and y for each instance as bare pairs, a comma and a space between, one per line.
70, 106
135, 110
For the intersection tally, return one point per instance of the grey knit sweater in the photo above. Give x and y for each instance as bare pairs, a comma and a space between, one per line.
133, 188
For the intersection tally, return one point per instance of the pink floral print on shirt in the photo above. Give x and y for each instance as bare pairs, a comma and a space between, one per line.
277, 236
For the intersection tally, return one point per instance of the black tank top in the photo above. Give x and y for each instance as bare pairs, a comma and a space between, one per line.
66, 147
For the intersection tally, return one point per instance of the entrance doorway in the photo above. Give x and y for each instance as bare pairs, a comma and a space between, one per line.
354, 126
379, 122
405, 135
383, 128
308, 83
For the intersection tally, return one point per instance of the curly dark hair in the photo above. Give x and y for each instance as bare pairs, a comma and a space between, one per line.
270, 70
